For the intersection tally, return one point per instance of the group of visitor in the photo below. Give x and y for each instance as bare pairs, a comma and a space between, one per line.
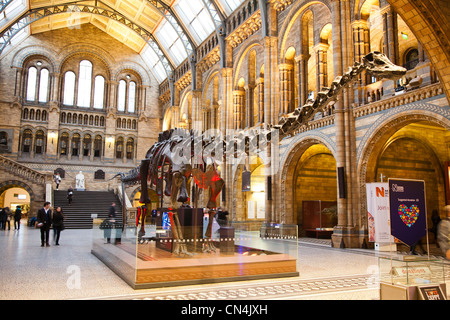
47, 218
6, 215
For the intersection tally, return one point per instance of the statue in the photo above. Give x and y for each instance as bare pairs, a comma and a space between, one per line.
79, 181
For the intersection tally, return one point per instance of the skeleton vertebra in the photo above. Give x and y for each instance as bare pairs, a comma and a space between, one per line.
162, 161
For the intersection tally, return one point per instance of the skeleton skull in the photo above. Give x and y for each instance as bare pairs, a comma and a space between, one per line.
379, 65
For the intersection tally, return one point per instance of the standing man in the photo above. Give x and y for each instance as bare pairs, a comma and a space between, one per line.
444, 233
44, 220
17, 217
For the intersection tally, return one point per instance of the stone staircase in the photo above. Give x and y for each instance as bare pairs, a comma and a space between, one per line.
84, 204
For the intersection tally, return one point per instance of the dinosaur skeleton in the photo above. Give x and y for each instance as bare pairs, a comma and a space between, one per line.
179, 155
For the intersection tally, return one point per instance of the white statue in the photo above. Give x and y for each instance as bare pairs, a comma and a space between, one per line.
79, 181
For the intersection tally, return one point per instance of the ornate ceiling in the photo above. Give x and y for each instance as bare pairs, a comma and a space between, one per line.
166, 32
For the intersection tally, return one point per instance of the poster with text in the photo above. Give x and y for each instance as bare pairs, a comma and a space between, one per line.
408, 210
378, 214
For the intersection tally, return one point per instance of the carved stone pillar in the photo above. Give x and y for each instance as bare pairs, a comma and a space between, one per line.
286, 73
390, 33
302, 78
260, 103
322, 65
239, 105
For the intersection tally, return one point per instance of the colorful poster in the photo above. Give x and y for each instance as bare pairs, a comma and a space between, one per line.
378, 212
407, 210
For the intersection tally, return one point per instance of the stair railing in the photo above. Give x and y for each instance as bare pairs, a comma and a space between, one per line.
23, 171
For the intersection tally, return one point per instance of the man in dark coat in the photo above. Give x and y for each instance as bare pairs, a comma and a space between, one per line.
44, 221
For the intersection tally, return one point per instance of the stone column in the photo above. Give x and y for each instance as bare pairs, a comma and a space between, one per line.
302, 76
322, 65
390, 33
260, 103
286, 73
239, 105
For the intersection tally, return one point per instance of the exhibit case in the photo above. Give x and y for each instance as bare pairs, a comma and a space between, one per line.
157, 254
404, 278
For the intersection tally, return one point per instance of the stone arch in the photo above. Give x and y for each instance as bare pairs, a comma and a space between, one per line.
85, 49
296, 11
375, 139
431, 27
240, 60
288, 163
35, 197
134, 67
23, 54
236, 174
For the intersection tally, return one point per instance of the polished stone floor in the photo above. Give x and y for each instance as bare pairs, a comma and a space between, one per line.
70, 271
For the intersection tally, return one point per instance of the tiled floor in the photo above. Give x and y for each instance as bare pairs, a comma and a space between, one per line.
70, 271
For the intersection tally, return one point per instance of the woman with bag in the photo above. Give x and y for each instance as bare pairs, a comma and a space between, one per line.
58, 224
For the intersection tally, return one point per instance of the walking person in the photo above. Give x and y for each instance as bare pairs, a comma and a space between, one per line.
17, 217
57, 180
70, 195
44, 221
8, 217
112, 211
3, 216
58, 224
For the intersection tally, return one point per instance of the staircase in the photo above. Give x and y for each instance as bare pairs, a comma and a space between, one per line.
85, 203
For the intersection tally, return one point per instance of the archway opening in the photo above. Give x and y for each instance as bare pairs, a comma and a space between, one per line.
15, 197
418, 151
315, 192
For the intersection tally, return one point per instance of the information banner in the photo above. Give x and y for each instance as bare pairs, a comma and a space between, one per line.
378, 212
407, 210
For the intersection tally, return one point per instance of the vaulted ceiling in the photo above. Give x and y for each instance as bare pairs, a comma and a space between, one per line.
164, 32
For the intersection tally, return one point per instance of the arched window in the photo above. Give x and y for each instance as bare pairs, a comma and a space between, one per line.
99, 89
130, 148
44, 115
98, 146
128, 94
75, 144
39, 144
119, 148
131, 96
69, 88
411, 59
31, 84
86, 145
84, 84
64, 143
26, 140
121, 95
43, 86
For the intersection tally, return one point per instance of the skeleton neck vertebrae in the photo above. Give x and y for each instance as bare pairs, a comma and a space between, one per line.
180, 155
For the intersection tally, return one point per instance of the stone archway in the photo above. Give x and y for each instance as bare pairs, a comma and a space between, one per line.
289, 167
429, 20
35, 203
393, 126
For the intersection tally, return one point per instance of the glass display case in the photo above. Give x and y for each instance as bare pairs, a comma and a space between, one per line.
182, 249
402, 278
